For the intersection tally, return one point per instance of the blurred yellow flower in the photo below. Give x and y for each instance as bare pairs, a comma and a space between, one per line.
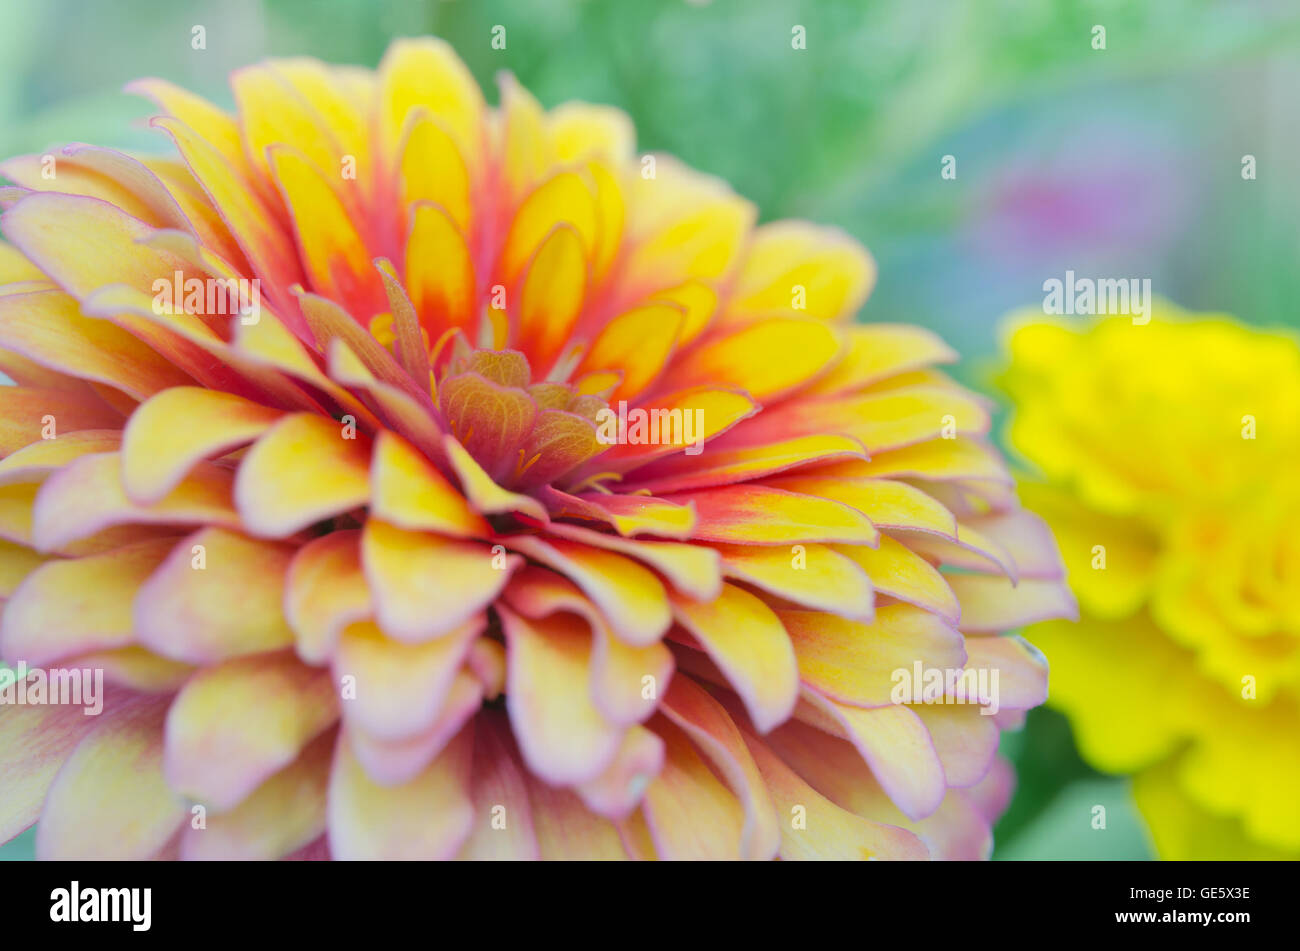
1167, 457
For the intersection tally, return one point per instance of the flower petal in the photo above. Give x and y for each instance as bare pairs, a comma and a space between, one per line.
503, 826
110, 800
49, 328
691, 814
407, 491
761, 515
766, 358
325, 591
706, 722
562, 735
896, 745
68, 607
426, 586
815, 576
828, 831
399, 688
427, 818
282, 815
168, 434
991, 603
234, 725
855, 663
87, 496
629, 595
747, 641
185, 610
304, 469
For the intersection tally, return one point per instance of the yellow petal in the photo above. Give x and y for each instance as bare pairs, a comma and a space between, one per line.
792, 265
426, 818
234, 725
185, 610
766, 358
304, 469
815, 576
440, 272
551, 298
426, 73
325, 591
747, 641
426, 586
432, 170
407, 491
68, 607
562, 199
171, 432
110, 800
564, 738
629, 595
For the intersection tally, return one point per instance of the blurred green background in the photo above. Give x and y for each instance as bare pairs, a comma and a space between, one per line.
1124, 161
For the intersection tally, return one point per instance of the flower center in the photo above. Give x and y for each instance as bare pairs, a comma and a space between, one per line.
524, 434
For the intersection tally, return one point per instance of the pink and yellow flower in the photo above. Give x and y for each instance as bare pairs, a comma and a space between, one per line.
364, 577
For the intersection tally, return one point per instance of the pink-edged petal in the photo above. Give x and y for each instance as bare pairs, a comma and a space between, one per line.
110, 800
425, 585
407, 491
399, 689
815, 576
38, 460
617, 791
619, 687
217, 595
629, 515
428, 817
813, 827
691, 814
1027, 539
691, 569
856, 663
726, 466
49, 328
896, 745
284, 814
484, 494
87, 496
35, 739
304, 469
325, 590
503, 817
562, 735
747, 641
990, 604
630, 597
1021, 669
965, 739
567, 830
394, 762
168, 434
706, 722
897, 571
69, 607
234, 725
761, 515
